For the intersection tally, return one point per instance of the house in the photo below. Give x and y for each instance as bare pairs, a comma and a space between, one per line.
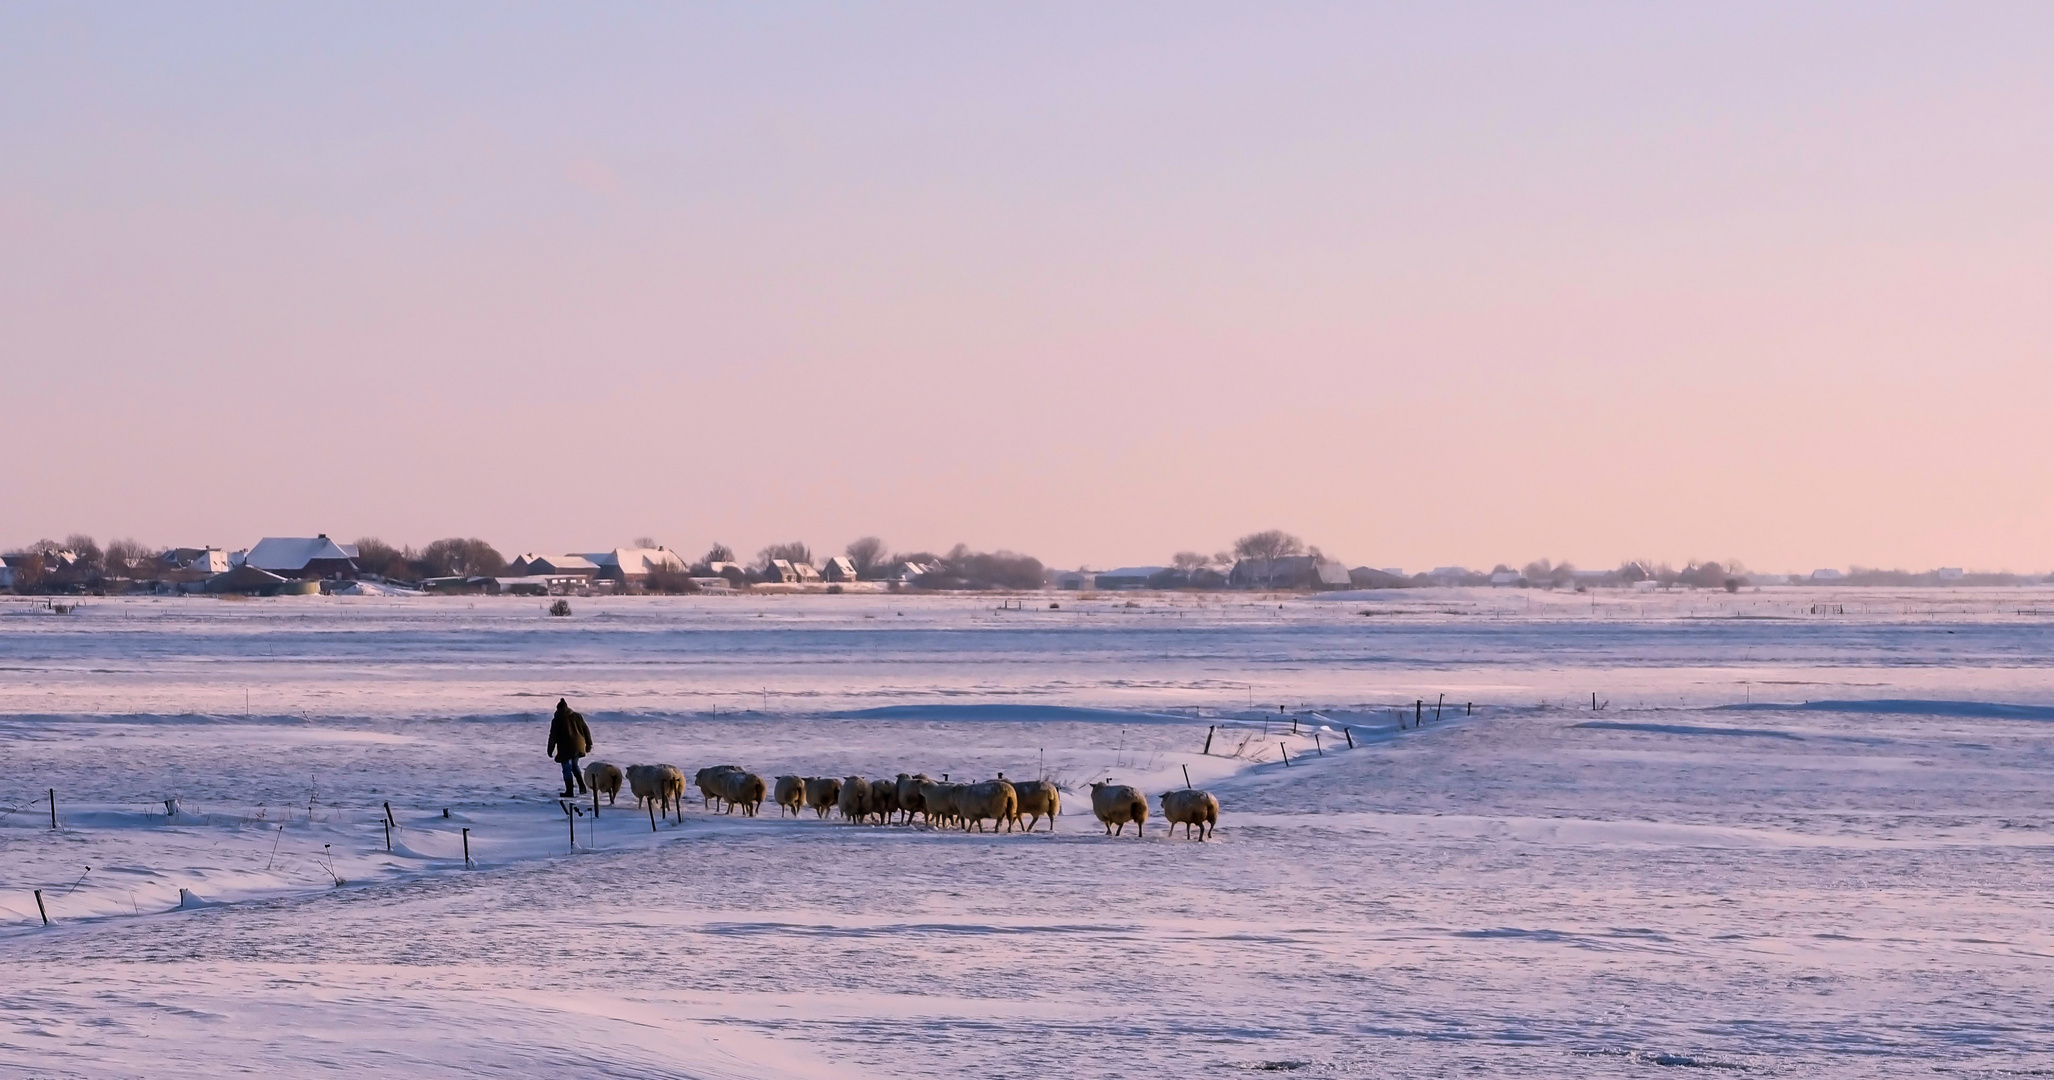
1127, 577
303, 558
209, 560
6, 576
1368, 577
805, 572
1287, 572
838, 569
529, 584
780, 572
1827, 575
1290, 572
245, 579
531, 564
1331, 575
630, 564
1078, 580
910, 572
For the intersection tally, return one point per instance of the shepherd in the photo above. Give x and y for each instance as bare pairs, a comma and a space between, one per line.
569, 740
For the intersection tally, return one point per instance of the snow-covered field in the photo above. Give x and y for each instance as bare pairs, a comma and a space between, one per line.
1806, 832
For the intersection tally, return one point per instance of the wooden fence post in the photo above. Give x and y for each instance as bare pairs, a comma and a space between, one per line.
1350, 732
1286, 751
467, 849
1209, 729
39, 908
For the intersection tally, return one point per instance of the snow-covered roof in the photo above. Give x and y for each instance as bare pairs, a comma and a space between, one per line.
566, 563
295, 552
1333, 573
634, 562
1142, 572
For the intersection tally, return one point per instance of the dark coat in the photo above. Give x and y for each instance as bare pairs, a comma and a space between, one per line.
569, 738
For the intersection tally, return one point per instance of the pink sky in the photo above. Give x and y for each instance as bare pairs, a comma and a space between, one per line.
1425, 285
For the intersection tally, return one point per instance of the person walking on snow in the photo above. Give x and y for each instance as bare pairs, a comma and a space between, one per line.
569, 740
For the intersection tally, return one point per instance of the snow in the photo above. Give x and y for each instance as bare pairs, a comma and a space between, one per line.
1794, 844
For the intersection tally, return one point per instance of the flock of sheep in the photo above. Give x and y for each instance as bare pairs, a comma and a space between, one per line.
938, 802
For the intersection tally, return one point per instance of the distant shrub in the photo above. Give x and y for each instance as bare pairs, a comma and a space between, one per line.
560, 608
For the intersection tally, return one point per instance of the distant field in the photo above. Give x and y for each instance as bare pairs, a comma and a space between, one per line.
1804, 832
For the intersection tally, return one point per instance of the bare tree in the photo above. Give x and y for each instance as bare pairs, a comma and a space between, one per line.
88, 552
1268, 546
458, 557
375, 556
718, 553
126, 554
866, 554
795, 552
645, 542
1188, 561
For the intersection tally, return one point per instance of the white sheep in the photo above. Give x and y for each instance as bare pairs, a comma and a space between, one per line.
603, 779
1039, 799
994, 799
909, 794
822, 793
1188, 807
710, 783
790, 794
743, 789
1118, 804
854, 801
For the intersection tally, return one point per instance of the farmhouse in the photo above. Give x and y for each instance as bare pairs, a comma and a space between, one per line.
630, 564
531, 564
303, 558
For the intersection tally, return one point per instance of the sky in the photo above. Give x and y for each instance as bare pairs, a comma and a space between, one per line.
1423, 284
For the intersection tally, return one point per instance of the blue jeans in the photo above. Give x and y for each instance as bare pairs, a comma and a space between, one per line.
570, 776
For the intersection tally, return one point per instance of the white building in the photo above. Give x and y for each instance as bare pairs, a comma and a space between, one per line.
627, 564
302, 556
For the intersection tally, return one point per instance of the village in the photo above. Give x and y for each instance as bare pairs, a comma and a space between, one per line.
1272, 561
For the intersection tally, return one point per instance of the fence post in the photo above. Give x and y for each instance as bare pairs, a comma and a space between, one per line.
1316, 746
1437, 707
467, 849
53, 808
1286, 751
39, 908
1418, 711
1209, 729
388, 837
389, 823
1350, 732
